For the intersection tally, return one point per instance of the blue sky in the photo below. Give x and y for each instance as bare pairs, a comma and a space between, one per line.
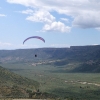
62, 23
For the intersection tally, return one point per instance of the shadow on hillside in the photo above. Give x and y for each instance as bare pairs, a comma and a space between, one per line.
81, 68
86, 68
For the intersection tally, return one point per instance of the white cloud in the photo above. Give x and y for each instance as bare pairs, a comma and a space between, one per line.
95, 1
2, 15
27, 46
56, 26
65, 19
98, 28
60, 45
28, 11
87, 20
5, 44
48, 20
41, 16
28, 3
85, 13
95, 44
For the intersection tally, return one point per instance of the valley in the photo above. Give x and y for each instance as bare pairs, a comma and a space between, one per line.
65, 73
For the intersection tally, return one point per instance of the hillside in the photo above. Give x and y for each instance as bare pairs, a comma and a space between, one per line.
13, 85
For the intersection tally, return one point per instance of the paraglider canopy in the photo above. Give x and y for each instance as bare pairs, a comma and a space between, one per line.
37, 37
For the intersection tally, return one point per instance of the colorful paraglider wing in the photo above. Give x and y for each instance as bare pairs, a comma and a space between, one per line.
37, 37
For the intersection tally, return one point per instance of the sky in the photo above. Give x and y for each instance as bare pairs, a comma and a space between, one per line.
62, 23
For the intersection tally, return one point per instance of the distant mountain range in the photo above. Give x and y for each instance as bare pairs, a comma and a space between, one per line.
87, 57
